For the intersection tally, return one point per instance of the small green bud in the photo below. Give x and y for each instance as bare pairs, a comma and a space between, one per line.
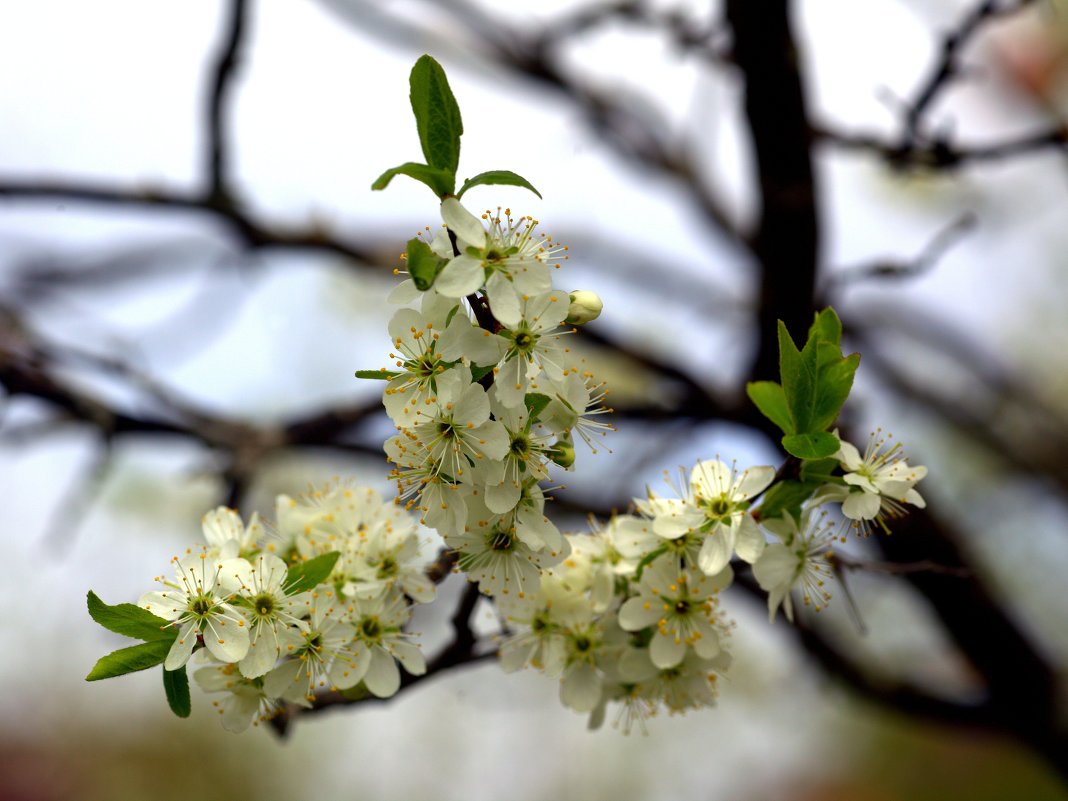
563, 452
585, 307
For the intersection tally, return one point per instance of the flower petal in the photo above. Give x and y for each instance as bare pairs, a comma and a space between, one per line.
460, 277
467, 227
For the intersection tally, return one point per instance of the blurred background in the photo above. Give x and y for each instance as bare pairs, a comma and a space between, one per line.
192, 266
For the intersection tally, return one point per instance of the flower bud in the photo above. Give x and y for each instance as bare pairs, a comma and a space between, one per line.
563, 452
585, 307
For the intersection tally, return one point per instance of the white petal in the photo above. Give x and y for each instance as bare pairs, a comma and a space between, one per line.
848, 456
226, 640
262, 654
665, 651
752, 481
638, 613
711, 478
716, 551
580, 688
382, 677
861, 506
460, 277
410, 656
463, 223
182, 647
404, 292
675, 524
280, 680
167, 605
749, 540
239, 710
915, 499
503, 498
503, 300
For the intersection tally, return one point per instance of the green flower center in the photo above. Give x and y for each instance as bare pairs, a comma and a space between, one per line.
500, 540
719, 506
525, 341
520, 446
264, 604
370, 628
388, 568
202, 605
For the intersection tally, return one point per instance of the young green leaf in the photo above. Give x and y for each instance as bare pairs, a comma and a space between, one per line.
811, 444
820, 471
798, 371
382, 374
536, 402
130, 620
785, 497
441, 181
497, 177
176, 685
423, 264
826, 327
769, 398
437, 116
308, 575
833, 382
130, 660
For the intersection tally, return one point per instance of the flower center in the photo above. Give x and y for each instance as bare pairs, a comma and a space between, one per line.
370, 628
202, 605
520, 446
500, 540
388, 568
264, 604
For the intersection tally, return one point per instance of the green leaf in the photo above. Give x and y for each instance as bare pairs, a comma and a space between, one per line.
798, 371
810, 445
768, 396
176, 685
833, 383
130, 620
309, 575
497, 177
441, 181
478, 373
130, 660
423, 264
819, 471
437, 116
785, 497
826, 327
536, 403
382, 374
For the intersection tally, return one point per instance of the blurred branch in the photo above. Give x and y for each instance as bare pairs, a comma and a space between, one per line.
915, 146
252, 233
940, 153
223, 75
947, 66
898, 269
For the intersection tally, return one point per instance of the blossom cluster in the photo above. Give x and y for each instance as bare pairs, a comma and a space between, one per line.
632, 615
484, 406
268, 640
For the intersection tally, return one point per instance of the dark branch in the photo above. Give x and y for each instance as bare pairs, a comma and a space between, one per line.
225, 68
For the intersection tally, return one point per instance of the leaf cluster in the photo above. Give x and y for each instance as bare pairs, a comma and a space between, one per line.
815, 382
439, 125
